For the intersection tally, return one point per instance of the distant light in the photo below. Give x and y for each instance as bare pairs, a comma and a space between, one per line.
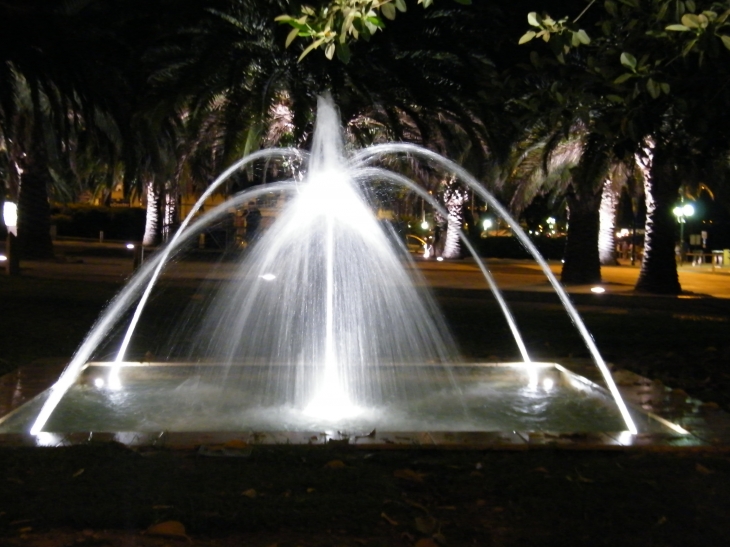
10, 214
598, 290
439, 259
3, 258
130, 246
268, 277
686, 210
487, 223
424, 225
99, 382
550, 220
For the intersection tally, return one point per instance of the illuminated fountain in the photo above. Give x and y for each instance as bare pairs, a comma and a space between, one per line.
317, 326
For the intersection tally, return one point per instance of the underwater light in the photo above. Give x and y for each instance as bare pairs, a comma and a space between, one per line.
268, 277
3, 258
130, 246
598, 290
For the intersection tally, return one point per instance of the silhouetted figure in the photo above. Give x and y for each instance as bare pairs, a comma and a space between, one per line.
253, 221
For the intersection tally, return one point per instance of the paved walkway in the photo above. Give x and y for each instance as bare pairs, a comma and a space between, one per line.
113, 262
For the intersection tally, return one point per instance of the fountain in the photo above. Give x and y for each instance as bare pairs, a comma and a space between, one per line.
317, 326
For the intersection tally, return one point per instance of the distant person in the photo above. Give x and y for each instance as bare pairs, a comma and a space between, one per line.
253, 221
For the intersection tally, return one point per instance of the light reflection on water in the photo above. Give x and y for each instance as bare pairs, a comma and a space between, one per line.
484, 399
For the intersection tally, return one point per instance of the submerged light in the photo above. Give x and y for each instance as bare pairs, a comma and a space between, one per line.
598, 290
268, 277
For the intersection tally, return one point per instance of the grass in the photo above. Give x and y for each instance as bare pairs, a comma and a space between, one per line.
106, 494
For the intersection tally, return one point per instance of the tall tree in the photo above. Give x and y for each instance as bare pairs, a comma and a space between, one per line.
652, 63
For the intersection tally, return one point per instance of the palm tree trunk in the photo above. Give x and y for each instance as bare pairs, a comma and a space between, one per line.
607, 228
454, 199
34, 213
153, 224
170, 214
582, 265
659, 267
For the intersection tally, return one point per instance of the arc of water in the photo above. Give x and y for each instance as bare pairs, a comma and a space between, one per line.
366, 155
408, 183
124, 300
284, 152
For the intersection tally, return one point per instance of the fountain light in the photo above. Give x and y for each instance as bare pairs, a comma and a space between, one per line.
440, 259
424, 225
130, 246
331, 402
99, 382
487, 223
268, 277
3, 258
598, 290
548, 384
10, 216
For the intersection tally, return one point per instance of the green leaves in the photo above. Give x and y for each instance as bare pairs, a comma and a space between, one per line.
629, 61
549, 28
337, 22
388, 11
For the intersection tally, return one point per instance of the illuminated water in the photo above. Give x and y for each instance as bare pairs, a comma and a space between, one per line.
493, 398
319, 324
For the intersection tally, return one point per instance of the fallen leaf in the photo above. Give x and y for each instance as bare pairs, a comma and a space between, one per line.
702, 469
581, 478
416, 505
237, 444
169, 528
389, 520
250, 493
409, 475
425, 525
335, 464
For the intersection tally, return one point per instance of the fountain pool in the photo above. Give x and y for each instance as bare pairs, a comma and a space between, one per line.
317, 326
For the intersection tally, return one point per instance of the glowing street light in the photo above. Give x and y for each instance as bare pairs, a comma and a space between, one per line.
10, 217
682, 212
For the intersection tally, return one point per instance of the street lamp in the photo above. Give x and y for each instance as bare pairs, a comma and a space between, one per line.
682, 212
10, 217
486, 225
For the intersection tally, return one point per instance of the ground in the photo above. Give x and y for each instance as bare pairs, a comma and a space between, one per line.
109, 495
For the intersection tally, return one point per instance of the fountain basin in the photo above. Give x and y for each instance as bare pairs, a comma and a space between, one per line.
502, 399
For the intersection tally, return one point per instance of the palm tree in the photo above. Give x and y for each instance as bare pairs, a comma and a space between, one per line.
57, 83
230, 74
